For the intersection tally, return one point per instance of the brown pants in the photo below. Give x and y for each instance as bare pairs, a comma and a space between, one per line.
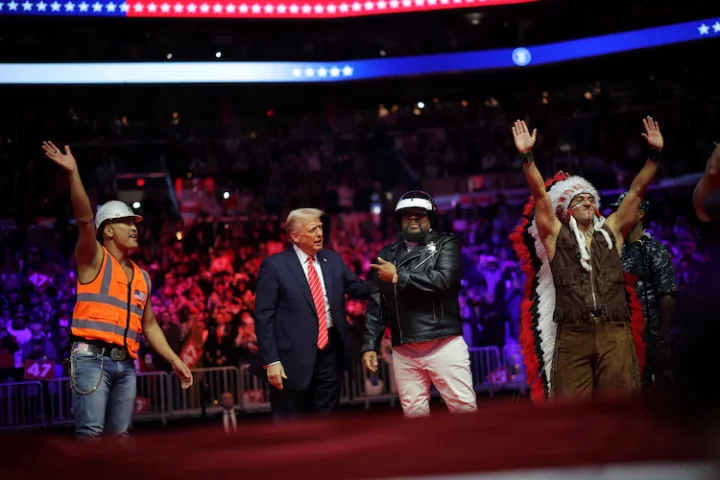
594, 358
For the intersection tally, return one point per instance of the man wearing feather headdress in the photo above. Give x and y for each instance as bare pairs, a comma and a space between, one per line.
581, 321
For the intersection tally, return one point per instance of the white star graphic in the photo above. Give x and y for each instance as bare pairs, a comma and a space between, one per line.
84, 7
243, 8
419, 3
178, 7
281, 8
347, 70
12, 5
309, 72
27, 6
322, 72
444, 2
356, 6
255, 8
204, 8
344, 7
41, 6
97, 7
394, 4
406, 3
432, 2
230, 8
269, 8
369, 5
703, 29
138, 7
716, 27
55, 7
1, 6
381, 5
331, 8
124, 7
152, 7
191, 8
110, 7
334, 72
306, 8
319, 8
69, 7
296, 72
293, 8
165, 8
217, 8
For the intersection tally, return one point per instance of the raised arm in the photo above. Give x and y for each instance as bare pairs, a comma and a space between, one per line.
547, 223
709, 183
625, 218
87, 251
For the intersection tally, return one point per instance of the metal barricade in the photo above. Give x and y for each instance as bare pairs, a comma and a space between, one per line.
513, 362
371, 388
151, 398
206, 393
484, 361
22, 405
254, 392
150, 402
60, 395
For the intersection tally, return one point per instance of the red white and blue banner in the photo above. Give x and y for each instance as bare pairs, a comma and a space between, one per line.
610, 440
290, 9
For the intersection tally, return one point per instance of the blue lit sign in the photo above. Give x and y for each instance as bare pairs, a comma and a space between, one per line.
289, 72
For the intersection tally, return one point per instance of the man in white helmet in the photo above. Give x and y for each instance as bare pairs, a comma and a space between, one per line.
113, 309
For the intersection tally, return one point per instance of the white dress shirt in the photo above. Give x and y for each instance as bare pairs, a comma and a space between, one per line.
230, 420
302, 256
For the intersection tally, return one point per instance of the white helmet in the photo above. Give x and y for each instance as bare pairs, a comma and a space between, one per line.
114, 210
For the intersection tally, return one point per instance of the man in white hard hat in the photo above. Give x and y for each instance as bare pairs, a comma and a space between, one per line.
113, 309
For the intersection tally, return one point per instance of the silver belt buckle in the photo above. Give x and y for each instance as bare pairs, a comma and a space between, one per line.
117, 354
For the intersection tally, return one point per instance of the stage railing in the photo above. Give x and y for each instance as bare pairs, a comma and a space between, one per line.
26, 405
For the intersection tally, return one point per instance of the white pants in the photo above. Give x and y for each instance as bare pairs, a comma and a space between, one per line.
444, 362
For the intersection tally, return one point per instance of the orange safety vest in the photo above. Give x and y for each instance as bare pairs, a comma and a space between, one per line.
110, 310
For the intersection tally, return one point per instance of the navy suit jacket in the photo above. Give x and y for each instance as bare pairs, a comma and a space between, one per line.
286, 321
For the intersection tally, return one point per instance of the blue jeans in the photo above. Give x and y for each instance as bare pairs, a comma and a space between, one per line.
103, 394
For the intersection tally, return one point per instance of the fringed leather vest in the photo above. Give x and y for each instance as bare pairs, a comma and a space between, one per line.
580, 293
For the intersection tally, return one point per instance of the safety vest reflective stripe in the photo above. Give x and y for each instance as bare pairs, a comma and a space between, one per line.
108, 300
105, 327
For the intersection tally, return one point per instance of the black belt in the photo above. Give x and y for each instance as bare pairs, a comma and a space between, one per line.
113, 351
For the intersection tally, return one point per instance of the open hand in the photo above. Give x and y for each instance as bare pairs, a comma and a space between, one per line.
183, 373
386, 270
64, 159
652, 133
524, 141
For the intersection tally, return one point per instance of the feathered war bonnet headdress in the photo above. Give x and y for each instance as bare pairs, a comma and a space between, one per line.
538, 329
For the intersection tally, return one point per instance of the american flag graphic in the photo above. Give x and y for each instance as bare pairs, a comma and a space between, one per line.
297, 9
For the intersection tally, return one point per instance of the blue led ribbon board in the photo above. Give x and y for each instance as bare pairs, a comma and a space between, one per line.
291, 72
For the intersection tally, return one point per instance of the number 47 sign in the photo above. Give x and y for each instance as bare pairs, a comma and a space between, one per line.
39, 370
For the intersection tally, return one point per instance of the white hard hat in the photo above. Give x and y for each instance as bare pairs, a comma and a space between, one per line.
115, 210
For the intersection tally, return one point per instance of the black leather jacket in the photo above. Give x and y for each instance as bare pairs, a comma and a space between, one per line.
423, 305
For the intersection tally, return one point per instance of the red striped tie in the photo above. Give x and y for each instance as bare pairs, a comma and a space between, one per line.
319, 300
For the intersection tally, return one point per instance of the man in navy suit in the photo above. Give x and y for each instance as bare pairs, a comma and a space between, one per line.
300, 319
